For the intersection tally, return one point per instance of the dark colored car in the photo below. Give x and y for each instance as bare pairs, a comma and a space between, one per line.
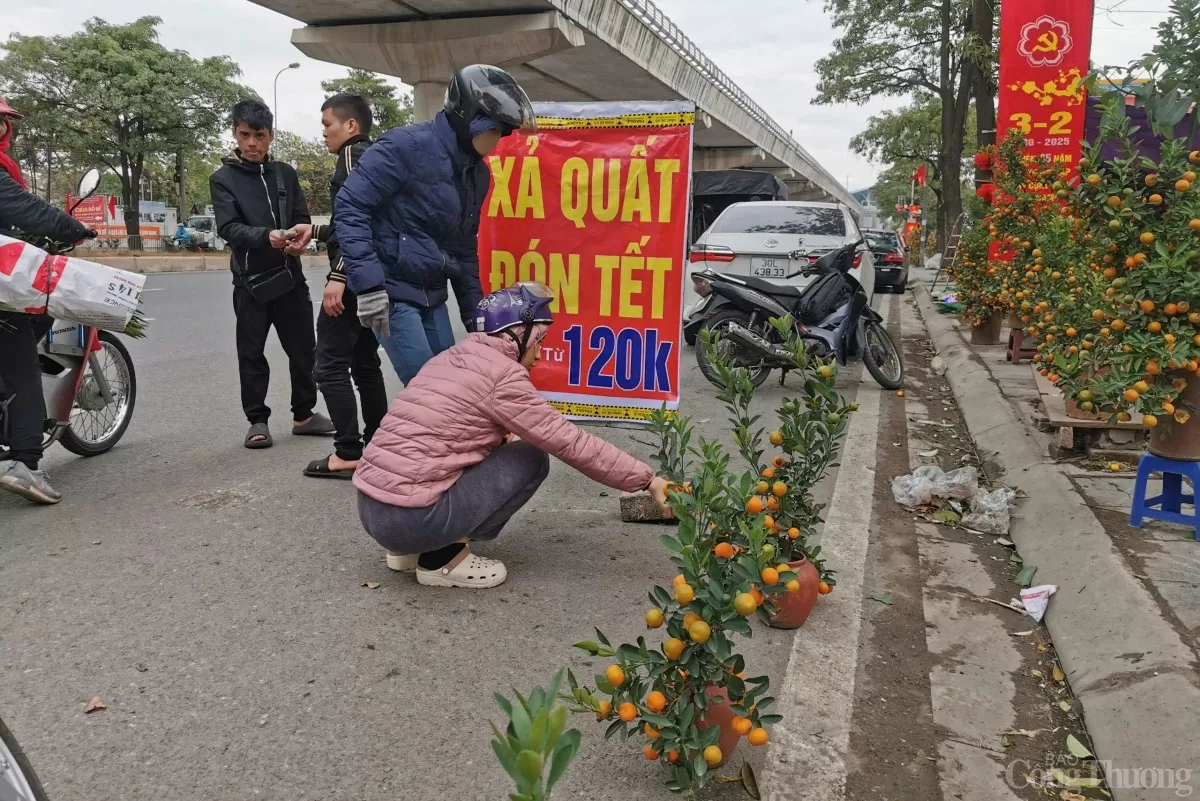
891, 266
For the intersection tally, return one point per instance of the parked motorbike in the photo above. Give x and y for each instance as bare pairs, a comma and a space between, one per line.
88, 379
832, 316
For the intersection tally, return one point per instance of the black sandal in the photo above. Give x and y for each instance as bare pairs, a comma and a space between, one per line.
258, 430
320, 469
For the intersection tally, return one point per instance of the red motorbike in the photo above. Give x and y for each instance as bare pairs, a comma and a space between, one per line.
88, 378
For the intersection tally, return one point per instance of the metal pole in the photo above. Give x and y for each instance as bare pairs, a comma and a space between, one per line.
295, 65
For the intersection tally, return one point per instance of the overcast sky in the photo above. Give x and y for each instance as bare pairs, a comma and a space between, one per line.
768, 47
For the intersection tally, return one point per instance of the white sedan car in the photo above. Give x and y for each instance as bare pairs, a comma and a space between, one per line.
756, 238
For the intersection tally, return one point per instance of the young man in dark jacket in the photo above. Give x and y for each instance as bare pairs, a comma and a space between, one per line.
408, 216
249, 191
345, 349
23, 213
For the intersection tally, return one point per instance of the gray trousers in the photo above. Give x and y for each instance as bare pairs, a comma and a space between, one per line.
477, 506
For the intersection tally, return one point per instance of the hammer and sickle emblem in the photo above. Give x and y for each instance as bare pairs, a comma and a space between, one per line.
1047, 43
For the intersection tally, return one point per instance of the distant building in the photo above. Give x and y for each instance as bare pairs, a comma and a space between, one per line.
869, 210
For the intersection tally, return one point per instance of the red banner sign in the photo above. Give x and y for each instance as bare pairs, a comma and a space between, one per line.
1044, 49
90, 211
595, 205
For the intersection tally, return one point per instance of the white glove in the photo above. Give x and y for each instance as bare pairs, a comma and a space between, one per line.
373, 312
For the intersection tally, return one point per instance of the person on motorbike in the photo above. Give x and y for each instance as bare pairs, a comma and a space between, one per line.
441, 470
25, 214
408, 216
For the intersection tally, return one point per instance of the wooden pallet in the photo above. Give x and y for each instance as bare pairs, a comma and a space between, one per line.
1056, 409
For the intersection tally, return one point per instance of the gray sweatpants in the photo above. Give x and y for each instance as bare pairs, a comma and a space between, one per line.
477, 506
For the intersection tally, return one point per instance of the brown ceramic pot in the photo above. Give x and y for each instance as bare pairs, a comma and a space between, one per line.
793, 608
988, 333
720, 713
1180, 440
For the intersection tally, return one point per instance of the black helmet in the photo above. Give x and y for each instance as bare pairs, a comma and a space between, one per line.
488, 90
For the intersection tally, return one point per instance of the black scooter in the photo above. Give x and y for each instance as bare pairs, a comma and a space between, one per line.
740, 309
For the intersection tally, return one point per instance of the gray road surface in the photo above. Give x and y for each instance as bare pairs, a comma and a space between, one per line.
213, 598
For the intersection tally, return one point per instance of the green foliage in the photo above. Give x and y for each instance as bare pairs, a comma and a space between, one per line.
114, 95
390, 108
535, 749
720, 550
314, 166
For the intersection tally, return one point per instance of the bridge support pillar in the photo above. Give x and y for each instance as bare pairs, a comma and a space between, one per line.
425, 54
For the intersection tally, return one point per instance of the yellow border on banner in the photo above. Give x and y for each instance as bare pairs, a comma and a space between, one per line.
602, 412
667, 120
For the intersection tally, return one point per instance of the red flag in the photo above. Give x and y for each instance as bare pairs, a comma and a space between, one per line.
921, 176
112, 207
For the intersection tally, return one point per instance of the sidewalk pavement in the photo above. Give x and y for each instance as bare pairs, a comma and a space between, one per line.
1130, 661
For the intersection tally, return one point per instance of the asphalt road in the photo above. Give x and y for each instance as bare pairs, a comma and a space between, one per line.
213, 598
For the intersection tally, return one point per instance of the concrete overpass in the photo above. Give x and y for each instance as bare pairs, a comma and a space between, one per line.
565, 50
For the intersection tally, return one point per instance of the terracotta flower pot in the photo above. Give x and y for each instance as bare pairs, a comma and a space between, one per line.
1180, 440
988, 333
793, 608
720, 713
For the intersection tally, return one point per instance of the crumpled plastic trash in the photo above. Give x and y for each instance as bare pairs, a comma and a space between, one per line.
989, 510
1036, 599
928, 482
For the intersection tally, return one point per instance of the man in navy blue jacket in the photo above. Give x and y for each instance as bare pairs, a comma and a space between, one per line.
408, 216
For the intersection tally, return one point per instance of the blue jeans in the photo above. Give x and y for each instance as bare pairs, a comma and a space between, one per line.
417, 335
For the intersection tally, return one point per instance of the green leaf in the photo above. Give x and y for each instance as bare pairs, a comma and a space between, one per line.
602, 638
504, 704
699, 766
1077, 748
670, 543
558, 722
521, 723
519, 797
508, 759
604, 686
561, 758
885, 599
588, 645
614, 728
948, 516
1025, 577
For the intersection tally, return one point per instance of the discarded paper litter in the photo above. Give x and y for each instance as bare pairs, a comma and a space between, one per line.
1036, 599
989, 512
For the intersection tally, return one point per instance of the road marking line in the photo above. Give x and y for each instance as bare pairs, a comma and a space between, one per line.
810, 747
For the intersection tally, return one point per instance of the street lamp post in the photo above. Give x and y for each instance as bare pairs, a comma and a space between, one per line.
295, 65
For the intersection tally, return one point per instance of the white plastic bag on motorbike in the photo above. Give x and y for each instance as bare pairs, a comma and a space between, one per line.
66, 288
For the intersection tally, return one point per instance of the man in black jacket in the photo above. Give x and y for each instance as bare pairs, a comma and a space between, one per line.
345, 349
258, 204
20, 370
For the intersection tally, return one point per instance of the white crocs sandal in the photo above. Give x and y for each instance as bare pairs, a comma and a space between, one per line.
465, 570
402, 562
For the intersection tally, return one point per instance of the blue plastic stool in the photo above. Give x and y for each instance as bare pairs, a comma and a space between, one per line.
1168, 505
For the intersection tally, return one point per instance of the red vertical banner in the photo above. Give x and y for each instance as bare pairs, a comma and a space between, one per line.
1044, 49
595, 205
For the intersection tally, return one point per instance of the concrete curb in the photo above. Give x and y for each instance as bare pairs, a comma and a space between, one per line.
1136, 679
149, 264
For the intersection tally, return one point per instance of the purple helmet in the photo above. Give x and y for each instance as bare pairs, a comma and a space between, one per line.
524, 304
520, 304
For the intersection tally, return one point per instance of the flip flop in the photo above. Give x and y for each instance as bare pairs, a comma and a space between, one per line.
258, 430
320, 469
318, 426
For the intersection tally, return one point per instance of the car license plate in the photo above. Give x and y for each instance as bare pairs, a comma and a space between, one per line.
769, 267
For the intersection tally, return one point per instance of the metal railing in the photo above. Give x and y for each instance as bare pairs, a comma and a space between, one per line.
662, 26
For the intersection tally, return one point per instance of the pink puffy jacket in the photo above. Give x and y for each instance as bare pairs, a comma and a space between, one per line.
458, 409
